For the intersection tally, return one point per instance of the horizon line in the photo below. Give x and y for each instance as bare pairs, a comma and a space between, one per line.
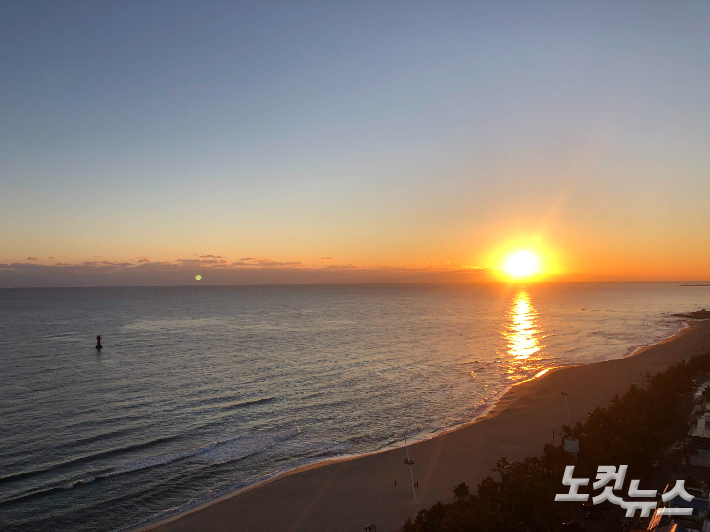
389, 283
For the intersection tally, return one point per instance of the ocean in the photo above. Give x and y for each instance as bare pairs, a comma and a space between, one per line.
201, 390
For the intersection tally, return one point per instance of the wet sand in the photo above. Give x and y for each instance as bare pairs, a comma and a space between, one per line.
349, 494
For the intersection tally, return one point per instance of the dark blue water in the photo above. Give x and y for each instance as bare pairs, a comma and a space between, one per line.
201, 390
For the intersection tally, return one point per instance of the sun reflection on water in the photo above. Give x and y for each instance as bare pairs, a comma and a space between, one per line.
522, 332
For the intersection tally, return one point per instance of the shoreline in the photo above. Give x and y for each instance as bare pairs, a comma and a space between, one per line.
213, 514
324, 462
663, 340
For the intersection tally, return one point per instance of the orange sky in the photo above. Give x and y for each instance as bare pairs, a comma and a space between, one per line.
419, 147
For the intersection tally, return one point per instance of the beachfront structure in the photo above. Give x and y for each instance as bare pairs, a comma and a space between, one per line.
697, 521
572, 446
698, 441
699, 506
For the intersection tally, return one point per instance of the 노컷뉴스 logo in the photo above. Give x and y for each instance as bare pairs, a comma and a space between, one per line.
605, 474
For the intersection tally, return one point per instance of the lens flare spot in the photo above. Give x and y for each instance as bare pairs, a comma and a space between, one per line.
198, 277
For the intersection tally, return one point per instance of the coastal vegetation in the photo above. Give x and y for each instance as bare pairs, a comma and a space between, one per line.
633, 429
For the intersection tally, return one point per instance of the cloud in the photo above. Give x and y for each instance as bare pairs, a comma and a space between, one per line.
24, 266
103, 263
221, 262
155, 266
209, 262
33, 258
327, 258
340, 267
221, 272
272, 263
50, 258
212, 257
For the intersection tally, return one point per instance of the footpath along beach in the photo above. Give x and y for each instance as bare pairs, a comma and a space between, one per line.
347, 495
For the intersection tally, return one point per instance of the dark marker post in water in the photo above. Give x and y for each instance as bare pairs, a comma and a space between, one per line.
98, 342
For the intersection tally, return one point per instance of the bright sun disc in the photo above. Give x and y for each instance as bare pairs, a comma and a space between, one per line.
521, 263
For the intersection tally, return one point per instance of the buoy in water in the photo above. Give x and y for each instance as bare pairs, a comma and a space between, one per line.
98, 343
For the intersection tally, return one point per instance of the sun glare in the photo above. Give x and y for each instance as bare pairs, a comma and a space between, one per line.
521, 264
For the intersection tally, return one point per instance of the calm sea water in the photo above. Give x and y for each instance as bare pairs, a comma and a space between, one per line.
201, 390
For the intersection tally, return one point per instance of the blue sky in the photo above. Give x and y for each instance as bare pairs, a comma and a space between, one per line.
397, 134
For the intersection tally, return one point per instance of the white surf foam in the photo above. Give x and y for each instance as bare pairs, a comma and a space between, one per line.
243, 446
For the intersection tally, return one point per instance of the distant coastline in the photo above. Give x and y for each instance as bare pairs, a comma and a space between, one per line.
701, 314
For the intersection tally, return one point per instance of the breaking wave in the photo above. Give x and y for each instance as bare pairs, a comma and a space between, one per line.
214, 453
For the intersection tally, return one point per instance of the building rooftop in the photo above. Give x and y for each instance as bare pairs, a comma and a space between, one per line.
701, 429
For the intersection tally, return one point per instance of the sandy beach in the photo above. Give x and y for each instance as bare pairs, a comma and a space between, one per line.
347, 495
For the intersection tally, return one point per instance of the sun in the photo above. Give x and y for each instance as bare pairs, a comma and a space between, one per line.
521, 264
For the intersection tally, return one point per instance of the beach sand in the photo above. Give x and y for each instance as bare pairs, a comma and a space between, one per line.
349, 494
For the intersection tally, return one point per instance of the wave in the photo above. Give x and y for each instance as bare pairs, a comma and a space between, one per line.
192, 503
243, 446
234, 406
155, 461
320, 448
34, 494
213, 454
133, 466
61, 336
80, 481
302, 448
312, 395
98, 437
85, 459
41, 492
111, 421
